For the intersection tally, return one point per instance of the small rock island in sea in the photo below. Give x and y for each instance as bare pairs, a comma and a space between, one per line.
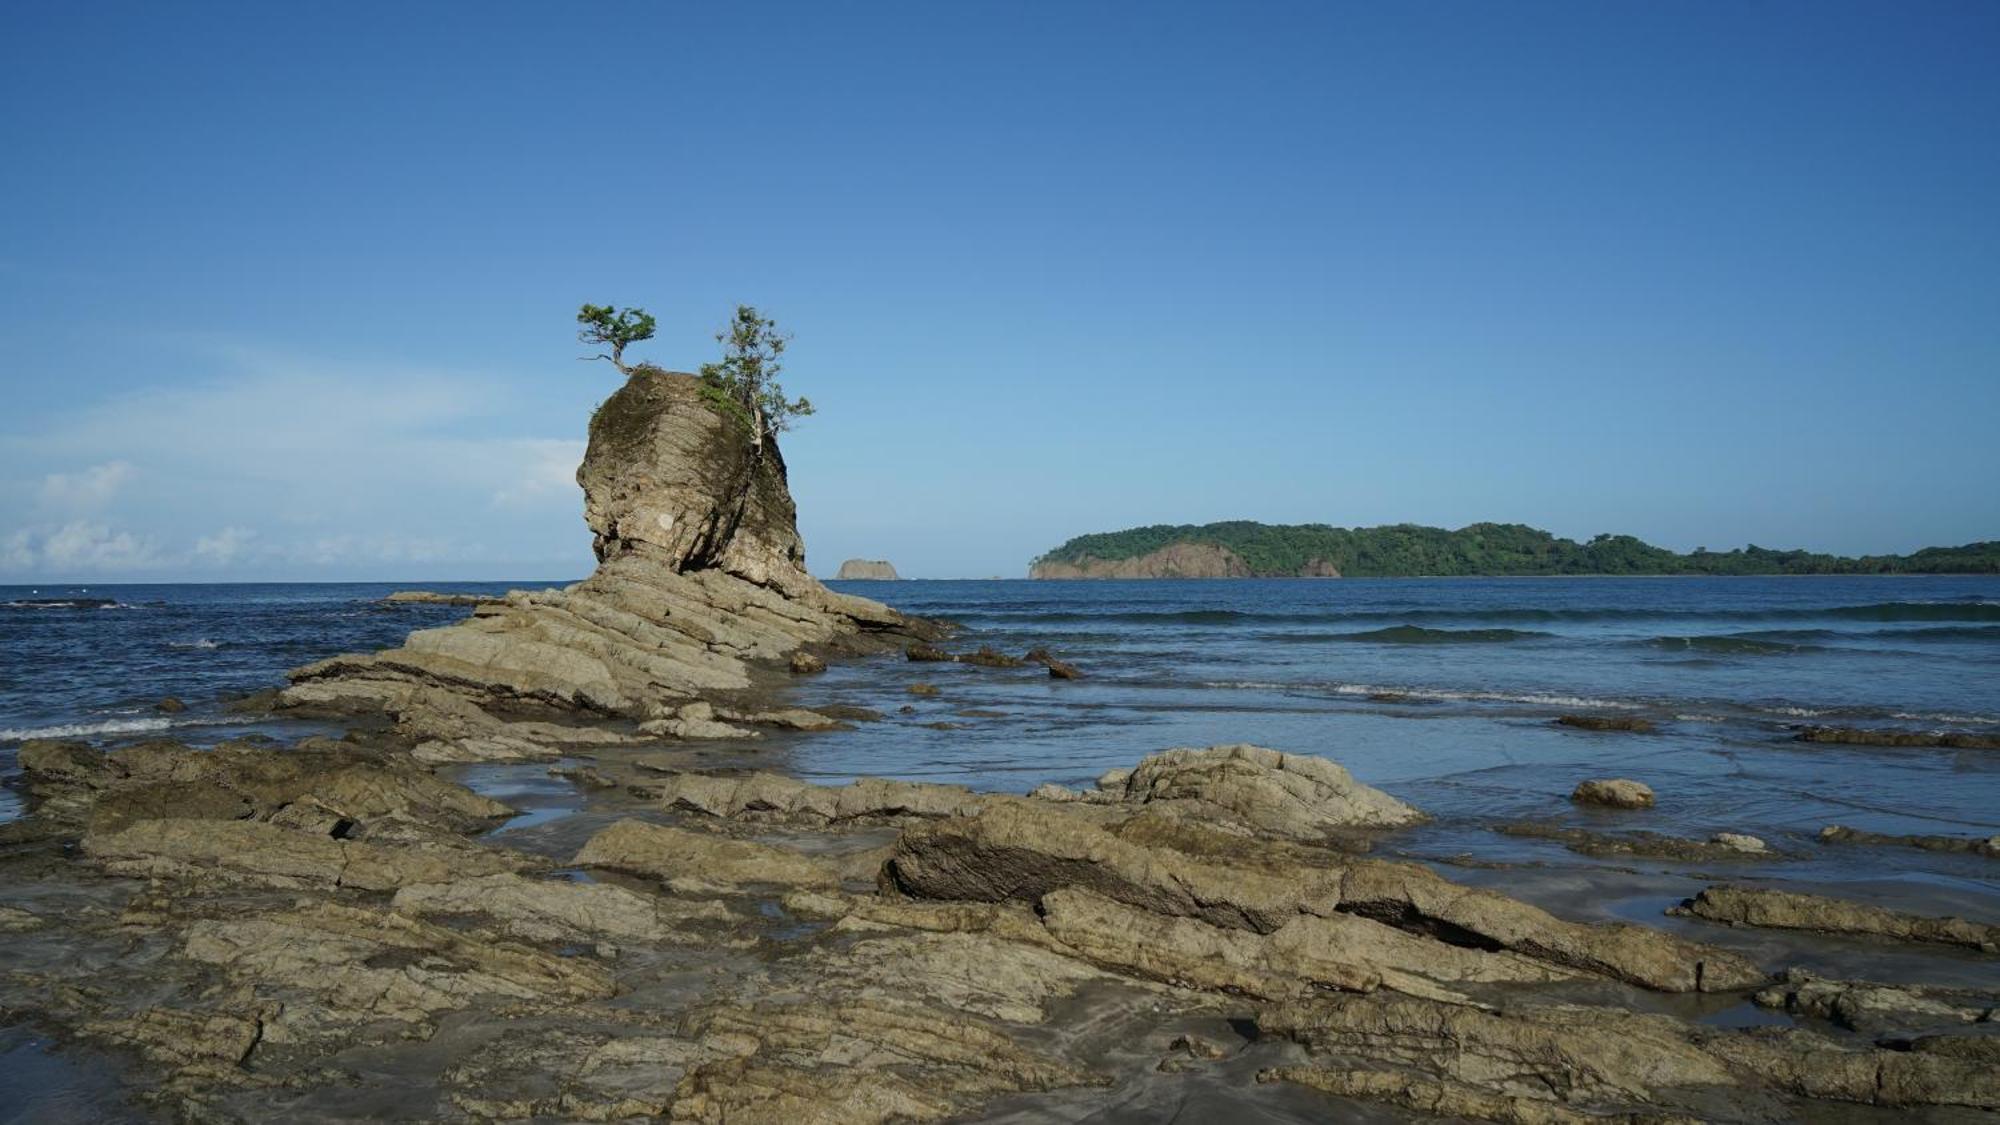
328, 929
856, 570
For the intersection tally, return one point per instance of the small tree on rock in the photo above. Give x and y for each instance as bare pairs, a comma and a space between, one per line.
606, 327
744, 384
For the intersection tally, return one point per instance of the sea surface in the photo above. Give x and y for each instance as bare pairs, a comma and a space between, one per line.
1442, 691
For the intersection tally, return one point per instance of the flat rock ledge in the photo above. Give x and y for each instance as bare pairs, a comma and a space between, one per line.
1793, 910
264, 932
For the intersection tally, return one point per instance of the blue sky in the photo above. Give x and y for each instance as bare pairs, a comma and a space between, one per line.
285, 290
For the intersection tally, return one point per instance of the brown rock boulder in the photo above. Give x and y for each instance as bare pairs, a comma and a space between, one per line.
1613, 793
1294, 795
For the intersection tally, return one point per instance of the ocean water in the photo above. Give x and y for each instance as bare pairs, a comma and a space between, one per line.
1440, 690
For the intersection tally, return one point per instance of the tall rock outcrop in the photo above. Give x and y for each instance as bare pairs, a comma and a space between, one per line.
700, 580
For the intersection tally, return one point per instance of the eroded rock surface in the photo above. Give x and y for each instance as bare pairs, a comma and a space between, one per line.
1875, 1008
701, 580
1988, 846
1292, 795
762, 949
1792, 910
775, 796
1026, 850
695, 859
1568, 1062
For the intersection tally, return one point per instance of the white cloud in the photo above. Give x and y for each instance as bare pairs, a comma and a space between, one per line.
547, 473
17, 552
86, 491
304, 470
225, 546
84, 546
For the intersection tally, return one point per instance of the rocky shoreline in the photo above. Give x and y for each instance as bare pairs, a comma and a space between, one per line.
278, 931
344, 927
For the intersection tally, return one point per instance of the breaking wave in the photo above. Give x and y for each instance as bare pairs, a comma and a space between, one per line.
1415, 635
1738, 645
84, 730
1943, 611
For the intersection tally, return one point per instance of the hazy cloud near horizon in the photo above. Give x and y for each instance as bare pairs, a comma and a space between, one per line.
282, 470
261, 467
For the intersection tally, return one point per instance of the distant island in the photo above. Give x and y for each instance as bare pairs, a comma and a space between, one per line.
1246, 549
856, 570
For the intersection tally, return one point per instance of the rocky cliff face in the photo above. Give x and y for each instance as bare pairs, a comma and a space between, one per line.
701, 580
667, 479
1175, 560
854, 570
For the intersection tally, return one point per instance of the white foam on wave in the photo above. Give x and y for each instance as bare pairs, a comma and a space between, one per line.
1940, 717
1539, 699
202, 643
79, 730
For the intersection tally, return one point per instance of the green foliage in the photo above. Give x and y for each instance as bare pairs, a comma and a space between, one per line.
1408, 550
606, 327
744, 384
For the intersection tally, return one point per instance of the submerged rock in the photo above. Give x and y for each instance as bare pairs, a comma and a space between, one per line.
1630, 724
1614, 793
1791, 910
1876, 1008
1654, 845
1739, 842
1871, 736
1988, 846
986, 656
1058, 669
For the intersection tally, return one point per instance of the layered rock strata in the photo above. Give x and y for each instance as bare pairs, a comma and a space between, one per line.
700, 586
312, 932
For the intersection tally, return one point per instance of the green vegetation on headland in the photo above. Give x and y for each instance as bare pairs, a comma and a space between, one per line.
1409, 550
